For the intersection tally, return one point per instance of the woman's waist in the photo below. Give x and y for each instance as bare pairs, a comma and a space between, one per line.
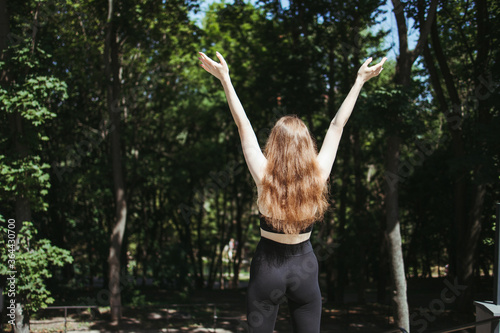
274, 249
289, 239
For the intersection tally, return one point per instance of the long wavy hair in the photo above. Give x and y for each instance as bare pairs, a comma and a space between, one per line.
292, 193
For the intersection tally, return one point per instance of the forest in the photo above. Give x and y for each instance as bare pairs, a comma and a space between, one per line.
121, 167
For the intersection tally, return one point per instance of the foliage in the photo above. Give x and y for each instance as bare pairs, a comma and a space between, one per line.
29, 93
33, 260
32, 96
187, 186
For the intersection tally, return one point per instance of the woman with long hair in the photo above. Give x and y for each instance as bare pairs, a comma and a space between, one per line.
291, 179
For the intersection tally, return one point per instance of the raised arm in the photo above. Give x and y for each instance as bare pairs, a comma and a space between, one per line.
328, 150
254, 158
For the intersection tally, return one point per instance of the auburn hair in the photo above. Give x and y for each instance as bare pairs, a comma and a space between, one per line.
292, 194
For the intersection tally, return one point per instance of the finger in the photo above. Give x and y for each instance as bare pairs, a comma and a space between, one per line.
204, 67
206, 59
202, 57
367, 61
376, 69
383, 61
221, 59
380, 64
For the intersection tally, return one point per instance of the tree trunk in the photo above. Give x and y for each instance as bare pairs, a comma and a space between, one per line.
238, 242
343, 250
466, 228
382, 271
200, 278
359, 217
112, 69
467, 251
456, 139
393, 237
23, 213
471, 233
4, 31
403, 78
22, 209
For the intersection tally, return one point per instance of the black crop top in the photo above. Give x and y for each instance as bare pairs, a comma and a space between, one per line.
268, 227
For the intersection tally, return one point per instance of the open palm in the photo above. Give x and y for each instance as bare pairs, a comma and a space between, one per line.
219, 70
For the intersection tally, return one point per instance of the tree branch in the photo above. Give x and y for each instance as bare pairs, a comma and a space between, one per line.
402, 28
425, 28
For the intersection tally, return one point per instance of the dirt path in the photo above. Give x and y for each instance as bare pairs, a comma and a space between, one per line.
225, 310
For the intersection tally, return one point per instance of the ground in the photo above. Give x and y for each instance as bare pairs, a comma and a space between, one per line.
223, 311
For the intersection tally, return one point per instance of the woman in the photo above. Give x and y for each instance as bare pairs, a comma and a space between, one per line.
291, 179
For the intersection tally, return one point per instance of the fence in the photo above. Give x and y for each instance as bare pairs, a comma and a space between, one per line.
215, 317
454, 329
95, 310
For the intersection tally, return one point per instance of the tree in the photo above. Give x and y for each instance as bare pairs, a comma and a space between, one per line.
28, 94
469, 114
112, 68
402, 77
29, 260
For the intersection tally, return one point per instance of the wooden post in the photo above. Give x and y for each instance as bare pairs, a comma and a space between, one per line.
65, 319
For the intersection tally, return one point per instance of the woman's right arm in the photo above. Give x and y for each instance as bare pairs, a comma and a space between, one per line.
254, 158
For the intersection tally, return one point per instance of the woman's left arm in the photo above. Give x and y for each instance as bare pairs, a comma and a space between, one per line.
254, 158
328, 150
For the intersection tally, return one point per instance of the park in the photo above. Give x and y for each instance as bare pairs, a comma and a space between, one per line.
128, 187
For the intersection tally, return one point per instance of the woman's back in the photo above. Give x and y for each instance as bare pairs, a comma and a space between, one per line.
292, 194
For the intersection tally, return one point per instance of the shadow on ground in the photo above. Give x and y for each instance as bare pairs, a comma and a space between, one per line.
224, 311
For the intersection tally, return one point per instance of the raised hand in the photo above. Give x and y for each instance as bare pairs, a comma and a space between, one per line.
219, 70
365, 73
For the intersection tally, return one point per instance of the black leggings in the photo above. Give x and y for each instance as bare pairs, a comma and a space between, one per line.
279, 273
